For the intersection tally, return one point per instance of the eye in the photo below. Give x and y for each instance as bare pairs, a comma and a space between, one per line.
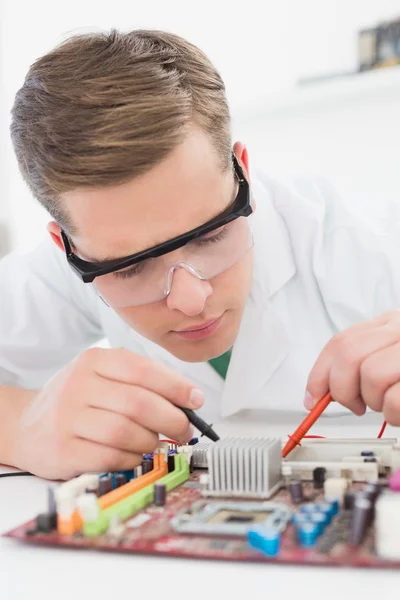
212, 238
130, 271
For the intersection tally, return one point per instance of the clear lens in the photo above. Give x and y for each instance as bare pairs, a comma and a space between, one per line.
151, 280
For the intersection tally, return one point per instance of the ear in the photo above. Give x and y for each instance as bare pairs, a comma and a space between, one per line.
242, 155
55, 233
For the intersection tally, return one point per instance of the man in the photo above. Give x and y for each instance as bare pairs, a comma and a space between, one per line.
160, 245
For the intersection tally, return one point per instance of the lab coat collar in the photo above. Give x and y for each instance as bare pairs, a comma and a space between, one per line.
263, 341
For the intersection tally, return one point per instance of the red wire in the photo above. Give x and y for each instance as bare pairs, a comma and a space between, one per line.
171, 442
380, 434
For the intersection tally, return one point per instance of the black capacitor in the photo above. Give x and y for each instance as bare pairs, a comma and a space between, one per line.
360, 521
51, 501
296, 491
371, 491
348, 500
105, 485
171, 463
120, 479
160, 494
319, 477
46, 522
147, 465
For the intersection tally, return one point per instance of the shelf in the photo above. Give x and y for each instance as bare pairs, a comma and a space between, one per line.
360, 88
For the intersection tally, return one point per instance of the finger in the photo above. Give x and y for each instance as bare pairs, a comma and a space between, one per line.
144, 407
114, 430
345, 376
378, 373
391, 405
85, 456
126, 367
318, 380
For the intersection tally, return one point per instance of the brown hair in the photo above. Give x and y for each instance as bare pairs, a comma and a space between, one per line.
102, 108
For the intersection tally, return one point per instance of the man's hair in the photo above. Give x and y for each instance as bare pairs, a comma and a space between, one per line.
103, 108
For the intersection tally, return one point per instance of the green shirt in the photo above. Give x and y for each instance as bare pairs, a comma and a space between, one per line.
221, 363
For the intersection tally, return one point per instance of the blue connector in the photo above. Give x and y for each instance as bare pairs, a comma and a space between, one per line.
265, 540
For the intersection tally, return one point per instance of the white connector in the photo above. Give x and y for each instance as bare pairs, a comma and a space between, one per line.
387, 525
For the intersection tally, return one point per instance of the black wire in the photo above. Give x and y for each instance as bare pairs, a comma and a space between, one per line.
19, 474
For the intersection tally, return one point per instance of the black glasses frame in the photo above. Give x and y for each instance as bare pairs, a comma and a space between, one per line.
241, 207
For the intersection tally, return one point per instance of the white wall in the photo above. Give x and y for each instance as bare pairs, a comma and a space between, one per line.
259, 47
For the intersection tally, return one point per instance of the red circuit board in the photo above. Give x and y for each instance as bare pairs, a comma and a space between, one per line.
156, 536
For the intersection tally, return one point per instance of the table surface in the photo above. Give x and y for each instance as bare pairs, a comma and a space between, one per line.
29, 571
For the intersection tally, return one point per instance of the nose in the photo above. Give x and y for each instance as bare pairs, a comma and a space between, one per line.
188, 293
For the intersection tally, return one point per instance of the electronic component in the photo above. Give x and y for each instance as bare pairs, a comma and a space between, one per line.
200, 455
264, 539
319, 474
160, 494
360, 521
335, 488
296, 491
167, 510
307, 534
387, 525
232, 518
105, 485
249, 468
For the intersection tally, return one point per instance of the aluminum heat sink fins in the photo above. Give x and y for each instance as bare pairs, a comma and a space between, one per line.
245, 468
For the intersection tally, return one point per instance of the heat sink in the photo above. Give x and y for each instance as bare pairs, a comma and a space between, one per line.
245, 468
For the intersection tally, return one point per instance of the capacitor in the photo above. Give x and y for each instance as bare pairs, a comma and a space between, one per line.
105, 485
308, 508
171, 461
120, 479
360, 520
51, 501
160, 494
301, 517
319, 519
371, 491
335, 506
46, 522
267, 540
348, 500
307, 534
147, 465
296, 491
327, 509
319, 474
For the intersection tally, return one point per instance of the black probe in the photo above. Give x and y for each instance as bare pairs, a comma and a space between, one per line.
201, 425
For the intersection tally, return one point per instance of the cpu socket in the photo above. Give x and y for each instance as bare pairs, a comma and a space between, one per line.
232, 518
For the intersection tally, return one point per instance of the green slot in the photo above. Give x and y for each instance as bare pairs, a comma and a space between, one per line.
139, 500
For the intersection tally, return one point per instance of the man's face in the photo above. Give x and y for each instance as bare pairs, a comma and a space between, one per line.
184, 191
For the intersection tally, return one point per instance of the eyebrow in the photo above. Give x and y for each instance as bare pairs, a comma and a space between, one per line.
104, 261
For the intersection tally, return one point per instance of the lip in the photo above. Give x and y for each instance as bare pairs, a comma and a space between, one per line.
200, 331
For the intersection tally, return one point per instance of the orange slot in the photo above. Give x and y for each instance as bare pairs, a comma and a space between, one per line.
160, 468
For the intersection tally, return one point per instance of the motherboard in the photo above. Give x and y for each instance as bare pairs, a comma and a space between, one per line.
330, 502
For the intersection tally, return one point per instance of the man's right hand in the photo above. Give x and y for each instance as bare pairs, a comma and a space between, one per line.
101, 413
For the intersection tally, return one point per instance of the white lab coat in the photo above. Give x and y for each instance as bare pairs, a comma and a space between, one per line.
317, 271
